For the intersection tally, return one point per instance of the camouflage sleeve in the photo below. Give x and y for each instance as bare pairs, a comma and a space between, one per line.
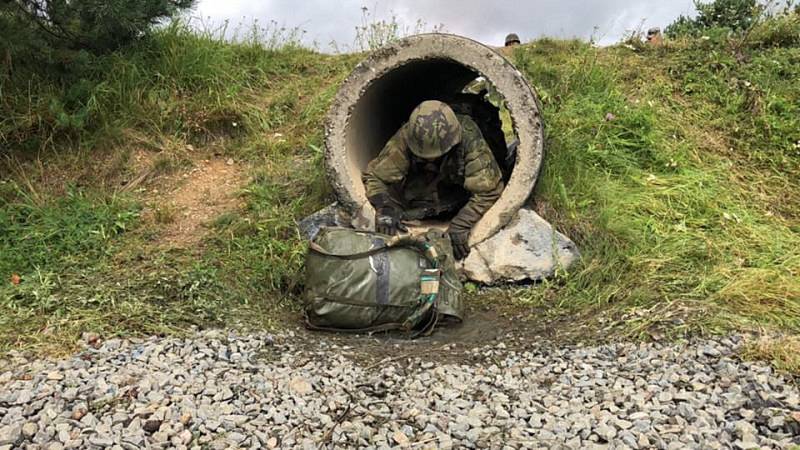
482, 178
389, 167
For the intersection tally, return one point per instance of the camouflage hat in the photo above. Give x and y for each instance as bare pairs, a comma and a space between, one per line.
433, 130
512, 39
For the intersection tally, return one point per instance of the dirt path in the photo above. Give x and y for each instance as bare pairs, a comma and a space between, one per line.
181, 204
207, 191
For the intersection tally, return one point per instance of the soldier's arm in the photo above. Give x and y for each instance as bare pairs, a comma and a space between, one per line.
482, 178
389, 167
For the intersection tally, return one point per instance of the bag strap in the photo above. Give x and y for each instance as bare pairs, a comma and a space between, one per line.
399, 241
375, 329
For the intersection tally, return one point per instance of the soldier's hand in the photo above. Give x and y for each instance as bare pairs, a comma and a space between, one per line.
388, 224
460, 241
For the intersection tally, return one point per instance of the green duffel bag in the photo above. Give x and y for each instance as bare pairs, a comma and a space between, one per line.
361, 281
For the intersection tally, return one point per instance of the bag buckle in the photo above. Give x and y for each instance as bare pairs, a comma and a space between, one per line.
429, 282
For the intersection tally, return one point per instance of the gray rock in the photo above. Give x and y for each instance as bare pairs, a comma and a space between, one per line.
101, 440
776, 422
330, 216
10, 434
30, 429
605, 432
528, 248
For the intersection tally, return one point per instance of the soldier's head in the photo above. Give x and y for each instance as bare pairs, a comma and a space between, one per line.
512, 39
433, 130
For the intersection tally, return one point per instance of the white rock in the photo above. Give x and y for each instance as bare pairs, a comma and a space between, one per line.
300, 385
528, 248
10, 434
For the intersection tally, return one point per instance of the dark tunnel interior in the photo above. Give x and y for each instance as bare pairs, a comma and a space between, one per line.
389, 100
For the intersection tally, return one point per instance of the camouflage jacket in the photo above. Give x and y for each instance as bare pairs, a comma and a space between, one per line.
470, 165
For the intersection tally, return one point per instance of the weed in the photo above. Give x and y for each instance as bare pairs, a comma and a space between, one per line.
373, 33
164, 214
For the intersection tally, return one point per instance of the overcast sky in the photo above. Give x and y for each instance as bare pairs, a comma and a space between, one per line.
487, 21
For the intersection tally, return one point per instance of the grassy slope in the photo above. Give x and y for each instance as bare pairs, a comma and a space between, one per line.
685, 205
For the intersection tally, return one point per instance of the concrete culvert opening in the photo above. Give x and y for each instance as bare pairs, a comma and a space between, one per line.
382, 90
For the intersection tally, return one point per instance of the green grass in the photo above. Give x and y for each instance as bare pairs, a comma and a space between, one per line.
685, 205
661, 199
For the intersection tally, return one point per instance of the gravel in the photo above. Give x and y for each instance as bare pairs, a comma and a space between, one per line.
297, 390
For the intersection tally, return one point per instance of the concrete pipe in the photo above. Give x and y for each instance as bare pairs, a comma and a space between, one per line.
377, 97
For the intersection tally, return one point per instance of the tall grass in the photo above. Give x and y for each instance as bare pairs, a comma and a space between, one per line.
651, 170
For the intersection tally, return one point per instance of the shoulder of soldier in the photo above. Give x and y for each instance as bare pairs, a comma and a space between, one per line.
399, 141
394, 157
471, 132
469, 126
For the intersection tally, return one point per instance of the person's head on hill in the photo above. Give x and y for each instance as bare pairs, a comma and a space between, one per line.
512, 39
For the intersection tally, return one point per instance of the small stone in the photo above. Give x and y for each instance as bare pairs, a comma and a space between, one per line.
10, 434
224, 395
605, 432
101, 440
623, 424
185, 437
78, 413
776, 422
151, 426
628, 439
24, 396
744, 428
186, 419
30, 429
159, 437
272, 442
55, 376
91, 339
300, 386
501, 413
401, 439
236, 438
749, 444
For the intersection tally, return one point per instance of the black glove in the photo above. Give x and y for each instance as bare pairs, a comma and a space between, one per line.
388, 223
460, 241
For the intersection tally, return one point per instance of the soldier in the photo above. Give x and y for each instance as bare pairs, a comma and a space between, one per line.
438, 163
512, 39
654, 36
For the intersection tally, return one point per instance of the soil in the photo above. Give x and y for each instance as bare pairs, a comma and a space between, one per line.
208, 191
514, 327
188, 200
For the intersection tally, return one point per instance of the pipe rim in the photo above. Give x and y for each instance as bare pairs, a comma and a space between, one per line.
520, 99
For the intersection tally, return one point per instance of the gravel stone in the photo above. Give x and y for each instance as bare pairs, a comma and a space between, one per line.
222, 390
10, 434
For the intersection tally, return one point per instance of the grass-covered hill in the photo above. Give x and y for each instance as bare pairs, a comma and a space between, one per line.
675, 168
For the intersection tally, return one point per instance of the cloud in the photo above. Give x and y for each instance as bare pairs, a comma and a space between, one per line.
336, 21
